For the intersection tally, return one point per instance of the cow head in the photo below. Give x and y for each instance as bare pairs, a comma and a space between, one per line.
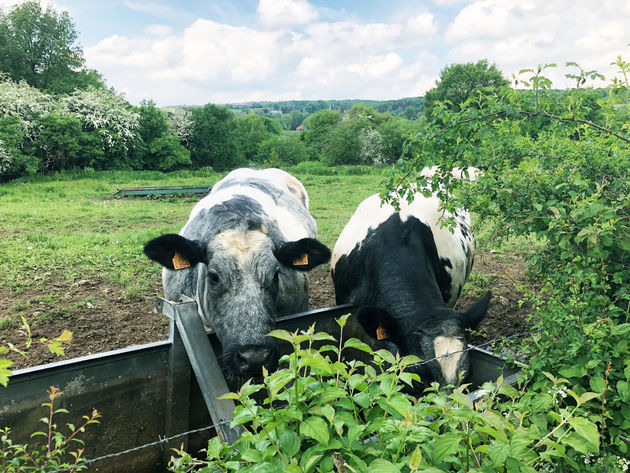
439, 334
241, 280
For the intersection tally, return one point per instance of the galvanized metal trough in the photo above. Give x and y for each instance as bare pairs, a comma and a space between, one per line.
158, 390
162, 190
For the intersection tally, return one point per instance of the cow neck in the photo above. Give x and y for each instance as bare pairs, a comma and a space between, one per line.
409, 294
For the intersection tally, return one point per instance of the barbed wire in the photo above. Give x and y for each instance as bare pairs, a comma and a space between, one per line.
161, 441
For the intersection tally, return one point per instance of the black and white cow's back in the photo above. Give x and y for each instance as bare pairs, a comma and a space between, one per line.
246, 247
406, 271
455, 251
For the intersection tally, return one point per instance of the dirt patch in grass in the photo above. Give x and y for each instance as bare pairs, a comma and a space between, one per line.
102, 318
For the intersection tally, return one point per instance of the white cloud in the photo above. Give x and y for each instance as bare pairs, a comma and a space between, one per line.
517, 34
211, 61
158, 30
286, 13
9, 4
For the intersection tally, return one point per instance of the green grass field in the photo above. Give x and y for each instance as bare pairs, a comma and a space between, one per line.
70, 226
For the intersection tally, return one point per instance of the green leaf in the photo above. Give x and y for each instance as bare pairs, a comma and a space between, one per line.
278, 380
362, 399
241, 416
357, 344
587, 430
382, 466
229, 396
623, 388
309, 461
291, 469
289, 443
386, 355
577, 442
597, 384
315, 428
498, 452
252, 455
587, 397
282, 335
621, 329
400, 403
461, 398
445, 445
325, 410
416, 458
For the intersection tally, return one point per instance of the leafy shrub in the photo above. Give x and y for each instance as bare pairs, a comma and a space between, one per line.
322, 414
553, 173
283, 150
54, 454
167, 153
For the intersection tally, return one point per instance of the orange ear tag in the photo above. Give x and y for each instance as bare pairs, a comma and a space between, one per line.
179, 262
381, 334
303, 261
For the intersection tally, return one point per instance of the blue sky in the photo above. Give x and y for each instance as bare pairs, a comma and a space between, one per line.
196, 52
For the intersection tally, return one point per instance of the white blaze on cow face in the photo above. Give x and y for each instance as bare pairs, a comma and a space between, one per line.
448, 363
241, 246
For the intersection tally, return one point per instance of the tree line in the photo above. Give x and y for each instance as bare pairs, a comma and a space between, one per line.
56, 114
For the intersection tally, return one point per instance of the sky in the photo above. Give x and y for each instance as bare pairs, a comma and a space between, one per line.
233, 51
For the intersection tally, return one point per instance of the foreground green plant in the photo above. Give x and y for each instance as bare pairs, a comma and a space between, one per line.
321, 414
557, 170
55, 345
55, 452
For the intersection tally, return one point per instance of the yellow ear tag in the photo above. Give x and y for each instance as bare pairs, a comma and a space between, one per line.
381, 334
303, 261
179, 262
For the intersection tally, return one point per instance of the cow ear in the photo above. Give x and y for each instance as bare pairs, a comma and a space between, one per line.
174, 251
473, 316
378, 323
303, 255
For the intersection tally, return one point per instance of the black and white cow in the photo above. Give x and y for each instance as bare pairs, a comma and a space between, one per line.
243, 256
405, 272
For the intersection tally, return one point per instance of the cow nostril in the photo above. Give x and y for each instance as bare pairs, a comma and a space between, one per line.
252, 358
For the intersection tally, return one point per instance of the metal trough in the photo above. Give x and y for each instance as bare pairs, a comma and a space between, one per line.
155, 391
161, 190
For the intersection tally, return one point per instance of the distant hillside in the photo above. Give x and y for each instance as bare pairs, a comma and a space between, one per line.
407, 106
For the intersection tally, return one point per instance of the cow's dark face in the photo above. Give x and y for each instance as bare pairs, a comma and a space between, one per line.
241, 281
440, 341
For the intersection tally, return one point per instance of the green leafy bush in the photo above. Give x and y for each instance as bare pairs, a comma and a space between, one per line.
54, 454
321, 414
557, 168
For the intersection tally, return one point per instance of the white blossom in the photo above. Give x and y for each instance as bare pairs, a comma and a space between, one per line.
371, 146
105, 111
180, 124
6, 159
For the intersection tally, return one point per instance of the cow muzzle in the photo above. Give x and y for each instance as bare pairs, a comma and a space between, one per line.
249, 359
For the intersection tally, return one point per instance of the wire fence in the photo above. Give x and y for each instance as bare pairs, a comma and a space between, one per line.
165, 440
159, 442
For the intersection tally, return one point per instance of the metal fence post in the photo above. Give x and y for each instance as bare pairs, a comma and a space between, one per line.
204, 363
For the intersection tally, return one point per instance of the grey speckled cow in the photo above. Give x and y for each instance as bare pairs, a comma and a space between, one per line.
243, 256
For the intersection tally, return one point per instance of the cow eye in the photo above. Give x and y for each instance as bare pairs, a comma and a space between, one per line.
213, 277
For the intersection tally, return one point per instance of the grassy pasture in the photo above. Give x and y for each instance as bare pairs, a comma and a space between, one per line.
69, 226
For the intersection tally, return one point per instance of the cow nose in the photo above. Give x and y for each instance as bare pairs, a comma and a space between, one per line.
251, 359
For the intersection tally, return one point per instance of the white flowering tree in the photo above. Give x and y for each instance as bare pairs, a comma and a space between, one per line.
107, 114
180, 124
